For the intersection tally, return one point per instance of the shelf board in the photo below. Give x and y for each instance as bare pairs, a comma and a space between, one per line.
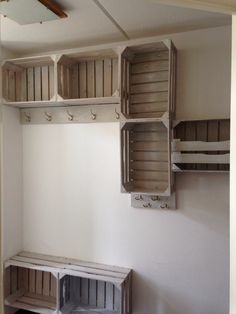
91, 101
33, 104
71, 308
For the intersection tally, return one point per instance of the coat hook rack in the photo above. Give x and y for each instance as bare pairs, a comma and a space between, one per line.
27, 117
70, 116
94, 116
48, 116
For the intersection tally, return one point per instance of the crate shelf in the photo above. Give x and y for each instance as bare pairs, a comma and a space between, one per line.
202, 145
148, 80
90, 77
145, 158
28, 80
47, 284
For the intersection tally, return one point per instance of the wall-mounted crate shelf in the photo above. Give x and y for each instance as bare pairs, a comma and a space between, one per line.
148, 80
29, 80
89, 78
46, 284
201, 145
145, 157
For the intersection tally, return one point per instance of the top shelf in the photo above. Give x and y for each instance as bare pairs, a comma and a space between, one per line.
140, 77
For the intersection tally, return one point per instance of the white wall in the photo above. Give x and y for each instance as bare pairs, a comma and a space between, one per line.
232, 178
73, 206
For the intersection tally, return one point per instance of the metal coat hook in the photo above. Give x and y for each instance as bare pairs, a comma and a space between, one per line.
27, 117
94, 116
139, 198
164, 206
48, 116
148, 205
117, 115
155, 198
70, 116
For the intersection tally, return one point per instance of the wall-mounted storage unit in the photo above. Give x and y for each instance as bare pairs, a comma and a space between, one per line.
46, 284
89, 78
29, 80
148, 80
145, 157
202, 145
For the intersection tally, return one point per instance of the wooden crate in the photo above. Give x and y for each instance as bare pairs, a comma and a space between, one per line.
30, 289
148, 80
28, 80
47, 284
82, 295
202, 145
90, 75
145, 158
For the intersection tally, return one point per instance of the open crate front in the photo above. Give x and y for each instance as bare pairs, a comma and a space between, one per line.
88, 75
145, 158
148, 80
82, 295
28, 80
30, 289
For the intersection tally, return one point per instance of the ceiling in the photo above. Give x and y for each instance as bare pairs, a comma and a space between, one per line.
95, 22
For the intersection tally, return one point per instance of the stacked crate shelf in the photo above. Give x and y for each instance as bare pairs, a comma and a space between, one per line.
148, 103
89, 78
46, 284
29, 82
201, 145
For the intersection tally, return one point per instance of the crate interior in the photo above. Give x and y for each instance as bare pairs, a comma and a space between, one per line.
28, 81
30, 289
207, 131
82, 295
145, 157
146, 75
90, 75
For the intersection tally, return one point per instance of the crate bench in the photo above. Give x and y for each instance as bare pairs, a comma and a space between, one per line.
46, 284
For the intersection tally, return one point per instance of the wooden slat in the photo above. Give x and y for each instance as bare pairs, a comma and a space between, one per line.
39, 282
107, 77
12, 85
99, 78
157, 146
83, 80
149, 87
201, 130
152, 66
109, 296
51, 81
92, 292
46, 283
24, 95
32, 280
117, 297
18, 77
201, 146
75, 82
38, 83
148, 136
7, 281
151, 156
53, 286
150, 186
149, 175
200, 158
149, 165
30, 84
91, 78
101, 294
114, 75
149, 77
45, 83
84, 291
224, 135
149, 127
149, 97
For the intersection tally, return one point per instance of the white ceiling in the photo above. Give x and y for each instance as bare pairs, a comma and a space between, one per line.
87, 24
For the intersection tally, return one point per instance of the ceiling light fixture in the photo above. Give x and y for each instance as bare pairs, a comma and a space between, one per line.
31, 11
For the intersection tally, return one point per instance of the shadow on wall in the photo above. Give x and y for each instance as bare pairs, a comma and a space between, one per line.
165, 302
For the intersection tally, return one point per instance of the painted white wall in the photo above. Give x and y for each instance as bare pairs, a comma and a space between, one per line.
73, 206
232, 178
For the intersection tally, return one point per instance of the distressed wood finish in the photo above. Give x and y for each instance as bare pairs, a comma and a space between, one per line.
88, 77
145, 158
47, 284
28, 82
148, 80
202, 145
